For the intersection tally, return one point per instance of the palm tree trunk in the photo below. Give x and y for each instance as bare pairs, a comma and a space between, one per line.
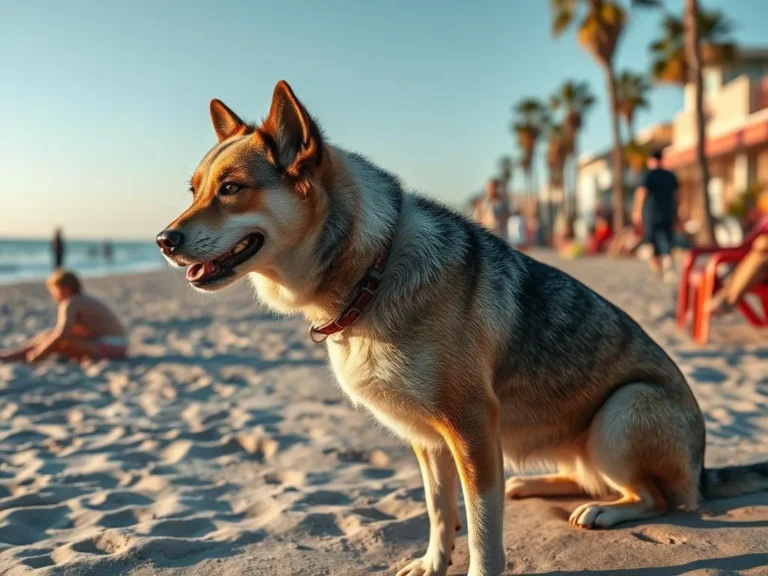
630, 129
618, 160
528, 196
528, 185
575, 160
706, 234
566, 186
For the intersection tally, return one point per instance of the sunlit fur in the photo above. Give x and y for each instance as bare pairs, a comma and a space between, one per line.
470, 349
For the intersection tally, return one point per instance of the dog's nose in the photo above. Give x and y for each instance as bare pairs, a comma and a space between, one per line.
169, 240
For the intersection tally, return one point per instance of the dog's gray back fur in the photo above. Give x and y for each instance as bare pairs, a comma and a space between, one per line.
567, 348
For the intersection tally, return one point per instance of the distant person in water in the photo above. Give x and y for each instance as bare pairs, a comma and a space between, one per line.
655, 208
57, 247
107, 247
492, 211
86, 328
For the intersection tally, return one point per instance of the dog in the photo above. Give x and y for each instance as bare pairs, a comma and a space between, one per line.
468, 349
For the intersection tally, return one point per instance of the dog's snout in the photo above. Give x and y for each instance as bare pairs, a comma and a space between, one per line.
169, 240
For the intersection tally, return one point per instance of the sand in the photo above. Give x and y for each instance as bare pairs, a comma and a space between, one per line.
224, 447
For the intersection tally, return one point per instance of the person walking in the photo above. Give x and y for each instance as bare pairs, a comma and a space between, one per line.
655, 209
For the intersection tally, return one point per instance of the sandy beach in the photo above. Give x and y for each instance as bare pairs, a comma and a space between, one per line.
223, 446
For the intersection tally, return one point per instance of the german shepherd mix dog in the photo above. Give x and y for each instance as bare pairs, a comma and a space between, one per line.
470, 350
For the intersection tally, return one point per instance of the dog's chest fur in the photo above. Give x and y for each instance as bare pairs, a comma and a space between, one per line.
374, 375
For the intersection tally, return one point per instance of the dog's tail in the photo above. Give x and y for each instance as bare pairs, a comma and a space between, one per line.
734, 480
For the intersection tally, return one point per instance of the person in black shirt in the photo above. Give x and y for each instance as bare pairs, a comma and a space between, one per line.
655, 208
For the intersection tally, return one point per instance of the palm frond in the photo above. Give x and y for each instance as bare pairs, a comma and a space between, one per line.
563, 15
669, 60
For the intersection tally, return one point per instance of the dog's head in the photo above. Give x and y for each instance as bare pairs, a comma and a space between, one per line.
255, 196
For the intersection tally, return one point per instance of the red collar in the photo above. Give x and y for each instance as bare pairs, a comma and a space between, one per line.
361, 299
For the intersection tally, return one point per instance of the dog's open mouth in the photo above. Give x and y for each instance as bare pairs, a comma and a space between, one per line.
222, 266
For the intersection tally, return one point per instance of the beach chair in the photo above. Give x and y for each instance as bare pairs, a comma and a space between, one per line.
692, 269
705, 285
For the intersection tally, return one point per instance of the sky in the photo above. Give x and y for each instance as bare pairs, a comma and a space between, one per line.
104, 105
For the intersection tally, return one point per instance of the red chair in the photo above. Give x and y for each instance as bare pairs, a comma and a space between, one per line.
708, 283
691, 272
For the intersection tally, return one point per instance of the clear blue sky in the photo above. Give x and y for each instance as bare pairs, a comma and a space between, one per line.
104, 103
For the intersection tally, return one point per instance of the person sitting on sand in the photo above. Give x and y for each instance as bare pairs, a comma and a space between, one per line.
86, 327
752, 270
601, 236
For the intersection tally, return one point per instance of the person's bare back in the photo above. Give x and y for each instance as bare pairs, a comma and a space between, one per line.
91, 318
85, 327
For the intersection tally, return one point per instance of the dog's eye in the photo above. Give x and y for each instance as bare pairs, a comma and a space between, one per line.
228, 189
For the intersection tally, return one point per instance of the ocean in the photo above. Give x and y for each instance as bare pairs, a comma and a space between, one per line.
26, 260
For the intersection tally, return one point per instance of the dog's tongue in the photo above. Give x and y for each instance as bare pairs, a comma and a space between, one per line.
198, 271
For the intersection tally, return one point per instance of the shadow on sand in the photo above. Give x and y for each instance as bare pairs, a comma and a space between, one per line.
730, 564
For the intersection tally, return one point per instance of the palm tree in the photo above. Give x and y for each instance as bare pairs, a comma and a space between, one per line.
557, 153
702, 39
576, 98
668, 53
632, 95
527, 129
505, 173
599, 32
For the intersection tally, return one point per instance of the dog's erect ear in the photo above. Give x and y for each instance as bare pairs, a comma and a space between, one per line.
295, 133
225, 122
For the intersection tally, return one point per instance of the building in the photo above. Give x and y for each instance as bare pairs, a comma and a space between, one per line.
595, 180
736, 111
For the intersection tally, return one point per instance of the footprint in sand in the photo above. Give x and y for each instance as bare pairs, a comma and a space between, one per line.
285, 477
42, 561
108, 542
319, 524
377, 458
117, 499
127, 517
39, 518
190, 528
324, 498
20, 535
377, 473
659, 537
263, 510
354, 520
172, 548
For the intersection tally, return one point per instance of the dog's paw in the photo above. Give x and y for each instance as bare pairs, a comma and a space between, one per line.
428, 565
593, 515
515, 488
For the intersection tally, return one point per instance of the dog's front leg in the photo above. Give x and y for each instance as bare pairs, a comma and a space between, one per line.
441, 492
474, 438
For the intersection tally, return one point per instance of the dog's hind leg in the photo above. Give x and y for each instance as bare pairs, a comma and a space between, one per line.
644, 447
644, 501
441, 492
544, 485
